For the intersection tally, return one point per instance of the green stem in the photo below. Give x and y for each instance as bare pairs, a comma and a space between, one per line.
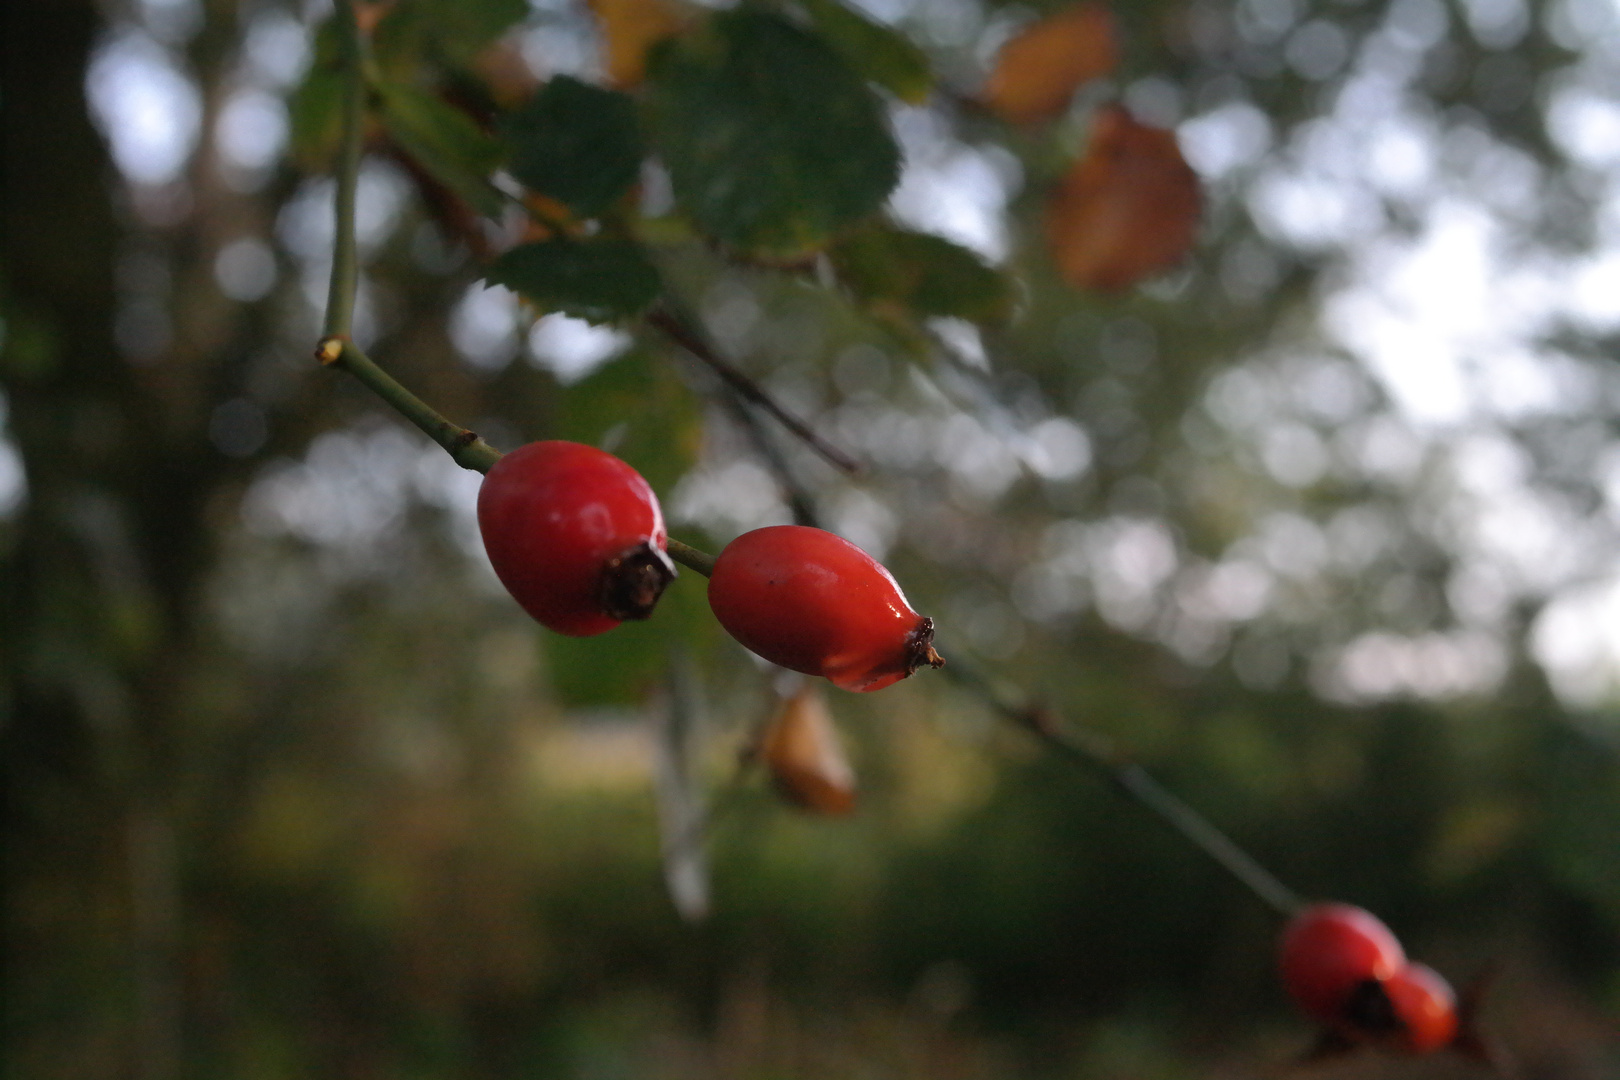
1147, 791
685, 334
468, 450
337, 349
345, 257
691, 558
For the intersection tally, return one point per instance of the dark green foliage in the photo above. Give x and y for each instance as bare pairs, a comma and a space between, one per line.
315, 111
445, 141
454, 30
634, 407
601, 280
773, 143
576, 143
583, 675
877, 52
921, 274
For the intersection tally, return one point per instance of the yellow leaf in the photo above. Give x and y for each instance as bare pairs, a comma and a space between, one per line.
1041, 66
629, 29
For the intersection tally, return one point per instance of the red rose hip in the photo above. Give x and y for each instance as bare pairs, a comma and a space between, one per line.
1331, 955
1424, 1010
575, 535
814, 602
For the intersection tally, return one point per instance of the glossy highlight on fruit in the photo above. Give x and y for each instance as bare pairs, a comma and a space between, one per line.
575, 535
1331, 953
814, 602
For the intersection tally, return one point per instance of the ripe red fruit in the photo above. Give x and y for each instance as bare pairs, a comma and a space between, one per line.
814, 602
1331, 954
1424, 1010
575, 535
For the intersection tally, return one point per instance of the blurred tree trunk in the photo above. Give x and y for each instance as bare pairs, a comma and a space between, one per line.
94, 577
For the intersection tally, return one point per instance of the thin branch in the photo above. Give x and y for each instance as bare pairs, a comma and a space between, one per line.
691, 558
463, 445
1098, 754
689, 339
345, 257
337, 348
798, 499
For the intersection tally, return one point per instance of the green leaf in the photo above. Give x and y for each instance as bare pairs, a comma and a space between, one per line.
315, 116
638, 407
462, 27
452, 29
577, 143
773, 144
925, 274
881, 54
315, 110
445, 141
620, 668
599, 280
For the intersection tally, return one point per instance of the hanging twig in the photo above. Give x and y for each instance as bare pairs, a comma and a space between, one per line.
798, 498
1097, 753
681, 813
688, 338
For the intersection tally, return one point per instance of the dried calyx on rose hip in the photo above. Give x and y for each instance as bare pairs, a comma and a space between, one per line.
575, 535
814, 602
1346, 969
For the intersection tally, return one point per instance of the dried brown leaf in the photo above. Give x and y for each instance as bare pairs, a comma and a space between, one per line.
805, 757
1041, 66
1127, 209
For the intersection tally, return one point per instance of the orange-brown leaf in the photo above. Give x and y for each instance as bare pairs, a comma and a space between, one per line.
1041, 66
368, 15
507, 74
1127, 209
805, 757
629, 29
